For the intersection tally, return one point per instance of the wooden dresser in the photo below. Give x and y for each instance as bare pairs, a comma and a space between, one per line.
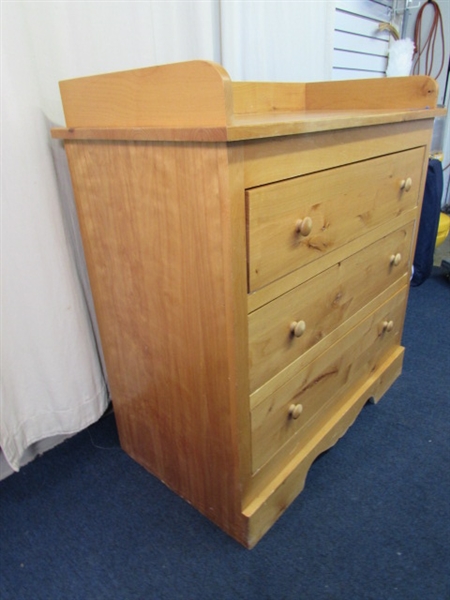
249, 250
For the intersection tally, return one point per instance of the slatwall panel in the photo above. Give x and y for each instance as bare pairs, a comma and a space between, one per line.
360, 48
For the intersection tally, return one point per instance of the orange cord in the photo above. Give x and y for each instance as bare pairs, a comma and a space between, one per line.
429, 45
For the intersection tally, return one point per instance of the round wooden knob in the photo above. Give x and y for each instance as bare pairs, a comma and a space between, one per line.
295, 410
304, 226
298, 328
396, 259
388, 325
406, 184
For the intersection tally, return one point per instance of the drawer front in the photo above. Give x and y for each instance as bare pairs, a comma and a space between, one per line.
293, 407
321, 304
294, 222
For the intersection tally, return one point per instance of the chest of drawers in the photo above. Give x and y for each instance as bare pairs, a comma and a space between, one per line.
249, 251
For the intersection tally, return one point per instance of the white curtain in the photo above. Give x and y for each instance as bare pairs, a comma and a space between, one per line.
277, 40
53, 382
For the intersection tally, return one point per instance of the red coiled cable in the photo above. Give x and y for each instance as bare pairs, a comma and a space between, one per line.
428, 46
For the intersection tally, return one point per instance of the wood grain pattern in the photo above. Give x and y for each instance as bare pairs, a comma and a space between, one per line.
272, 497
341, 203
281, 286
345, 363
323, 302
275, 125
285, 375
161, 161
196, 100
275, 159
247, 127
190, 94
266, 98
418, 92
155, 247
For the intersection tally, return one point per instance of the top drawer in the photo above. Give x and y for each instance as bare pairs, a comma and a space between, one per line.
293, 222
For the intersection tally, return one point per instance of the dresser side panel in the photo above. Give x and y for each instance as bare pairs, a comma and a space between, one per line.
155, 224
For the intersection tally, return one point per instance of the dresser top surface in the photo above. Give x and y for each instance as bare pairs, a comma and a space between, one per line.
197, 101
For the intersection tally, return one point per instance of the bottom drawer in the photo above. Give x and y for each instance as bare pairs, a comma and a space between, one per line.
293, 407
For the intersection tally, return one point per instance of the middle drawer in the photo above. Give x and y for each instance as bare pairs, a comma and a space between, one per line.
285, 328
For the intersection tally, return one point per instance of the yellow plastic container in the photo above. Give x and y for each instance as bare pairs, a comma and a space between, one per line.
443, 228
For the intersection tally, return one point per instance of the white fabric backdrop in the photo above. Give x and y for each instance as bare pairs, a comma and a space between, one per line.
52, 378
278, 40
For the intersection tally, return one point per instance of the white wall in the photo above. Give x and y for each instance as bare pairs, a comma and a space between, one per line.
75, 39
277, 40
360, 48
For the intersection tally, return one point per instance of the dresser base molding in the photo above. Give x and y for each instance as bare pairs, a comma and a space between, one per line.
270, 504
260, 514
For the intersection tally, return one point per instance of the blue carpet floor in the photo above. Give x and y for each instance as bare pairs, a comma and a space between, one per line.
86, 522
